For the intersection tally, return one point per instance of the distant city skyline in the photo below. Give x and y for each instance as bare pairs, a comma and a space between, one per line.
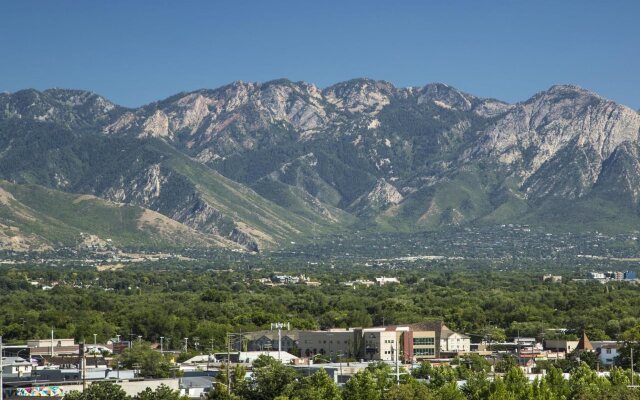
138, 52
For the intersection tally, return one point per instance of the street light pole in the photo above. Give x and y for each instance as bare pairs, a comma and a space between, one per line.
1, 371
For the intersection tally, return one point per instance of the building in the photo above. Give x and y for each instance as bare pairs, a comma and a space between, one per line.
383, 344
560, 345
52, 347
453, 342
16, 366
249, 357
359, 282
385, 280
268, 340
607, 351
333, 344
195, 387
552, 278
409, 343
630, 275
285, 279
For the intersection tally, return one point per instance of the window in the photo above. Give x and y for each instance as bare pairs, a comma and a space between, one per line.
424, 352
608, 351
423, 341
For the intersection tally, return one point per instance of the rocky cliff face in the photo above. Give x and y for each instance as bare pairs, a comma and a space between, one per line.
418, 156
563, 131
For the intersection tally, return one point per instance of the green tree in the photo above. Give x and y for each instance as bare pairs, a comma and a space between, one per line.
361, 386
500, 391
556, 383
518, 384
541, 390
409, 389
271, 378
318, 386
162, 392
150, 362
477, 386
441, 375
619, 377
585, 384
100, 391
449, 391
383, 375
506, 363
424, 371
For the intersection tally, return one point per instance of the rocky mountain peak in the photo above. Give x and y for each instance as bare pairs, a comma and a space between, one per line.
76, 108
360, 95
446, 97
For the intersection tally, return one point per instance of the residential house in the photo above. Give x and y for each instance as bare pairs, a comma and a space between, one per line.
607, 351
16, 366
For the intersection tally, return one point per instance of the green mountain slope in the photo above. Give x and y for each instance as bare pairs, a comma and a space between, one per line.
33, 217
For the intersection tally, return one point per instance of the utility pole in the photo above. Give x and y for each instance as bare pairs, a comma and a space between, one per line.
51, 342
83, 365
397, 350
161, 343
632, 373
279, 326
229, 364
1, 371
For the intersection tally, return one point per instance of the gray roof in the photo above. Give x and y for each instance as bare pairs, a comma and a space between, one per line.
196, 382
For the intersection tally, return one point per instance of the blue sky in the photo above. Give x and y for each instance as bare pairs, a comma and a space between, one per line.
135, 52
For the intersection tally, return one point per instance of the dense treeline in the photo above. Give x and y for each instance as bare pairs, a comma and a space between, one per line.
196, 301
273, 380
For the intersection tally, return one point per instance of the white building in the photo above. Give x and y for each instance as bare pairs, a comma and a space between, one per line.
16, 366
250, 356
385, 280
382, 343
454, 342
607, 351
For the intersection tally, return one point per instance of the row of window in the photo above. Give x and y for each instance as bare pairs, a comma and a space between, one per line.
424, 352
424, 341
330, 341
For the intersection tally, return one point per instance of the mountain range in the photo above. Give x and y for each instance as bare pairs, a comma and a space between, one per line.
260, 165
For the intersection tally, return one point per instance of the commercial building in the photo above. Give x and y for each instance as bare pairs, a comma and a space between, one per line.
268, 340
409, 343
332, 344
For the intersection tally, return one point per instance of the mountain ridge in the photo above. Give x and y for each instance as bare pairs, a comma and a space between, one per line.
359, 151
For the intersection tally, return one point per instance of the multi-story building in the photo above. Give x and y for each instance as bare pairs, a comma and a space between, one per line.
268, 340
334, 343
409, 343
383, 343
453, 342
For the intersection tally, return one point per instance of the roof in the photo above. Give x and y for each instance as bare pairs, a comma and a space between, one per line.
196, 382
206, 358
435, 325
272, 334
584, 343
7, 361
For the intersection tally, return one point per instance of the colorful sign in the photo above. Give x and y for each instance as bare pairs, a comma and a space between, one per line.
41, 391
